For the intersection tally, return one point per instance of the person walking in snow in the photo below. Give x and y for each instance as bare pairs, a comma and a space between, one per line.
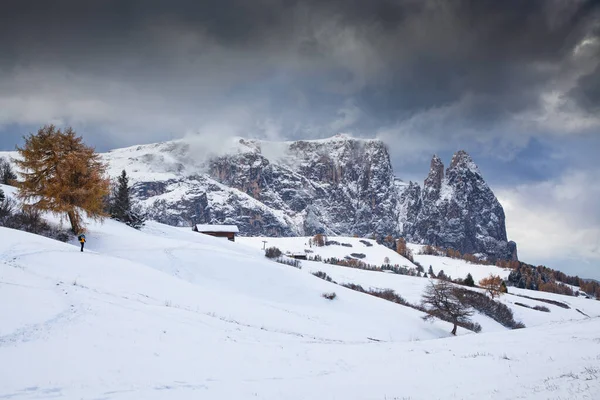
81, 239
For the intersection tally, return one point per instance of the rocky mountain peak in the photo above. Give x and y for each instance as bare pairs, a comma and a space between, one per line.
461, 160
338, 186
458, 211
433, 182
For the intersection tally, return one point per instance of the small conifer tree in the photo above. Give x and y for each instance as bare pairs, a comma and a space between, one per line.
469, 281
7, 175
121, 207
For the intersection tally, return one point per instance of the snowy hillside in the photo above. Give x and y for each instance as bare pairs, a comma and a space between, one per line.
168, 313
412, 288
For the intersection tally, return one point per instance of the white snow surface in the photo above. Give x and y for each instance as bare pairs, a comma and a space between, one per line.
412, 288
167, 313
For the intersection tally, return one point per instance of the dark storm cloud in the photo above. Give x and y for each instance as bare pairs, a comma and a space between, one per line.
300, 62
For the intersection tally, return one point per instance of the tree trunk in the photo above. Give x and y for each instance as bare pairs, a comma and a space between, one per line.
454, 329
74, 222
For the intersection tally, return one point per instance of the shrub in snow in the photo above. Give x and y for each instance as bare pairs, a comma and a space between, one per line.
7, 175
499, 312
332, 243
318, 240
386, 294
29, 220
273, 252
329, 296
323, 275
352, 286
469, 280
542, 308
366, 243
553, 302
358, 255
292, 262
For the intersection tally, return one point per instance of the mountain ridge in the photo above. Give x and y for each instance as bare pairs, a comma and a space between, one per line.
336, 186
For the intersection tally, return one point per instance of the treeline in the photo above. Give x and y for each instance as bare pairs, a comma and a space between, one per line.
544, 279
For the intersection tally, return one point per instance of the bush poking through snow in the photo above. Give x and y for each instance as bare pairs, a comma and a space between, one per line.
273, 252
499, 312
469, 280
553, 302
329, 296
292, 262
538, 308
324, 276
7, 175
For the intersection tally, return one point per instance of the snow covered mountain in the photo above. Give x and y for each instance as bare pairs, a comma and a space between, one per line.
337, 186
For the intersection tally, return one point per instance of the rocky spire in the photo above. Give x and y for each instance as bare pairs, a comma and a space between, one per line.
467, 217
462, 162
433, 182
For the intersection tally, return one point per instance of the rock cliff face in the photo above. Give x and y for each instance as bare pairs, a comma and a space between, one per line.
337, 186
458, 210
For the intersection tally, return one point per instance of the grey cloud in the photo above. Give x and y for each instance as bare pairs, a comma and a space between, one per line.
150, 66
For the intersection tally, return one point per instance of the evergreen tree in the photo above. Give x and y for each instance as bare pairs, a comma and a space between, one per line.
62, 175
7, 175
121, 207
121, 202
469, 280
430, 272
2, 197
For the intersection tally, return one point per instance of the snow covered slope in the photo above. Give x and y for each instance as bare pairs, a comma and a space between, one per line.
412, 288
166, 313
94, 326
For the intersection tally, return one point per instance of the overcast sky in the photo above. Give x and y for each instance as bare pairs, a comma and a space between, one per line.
515, 83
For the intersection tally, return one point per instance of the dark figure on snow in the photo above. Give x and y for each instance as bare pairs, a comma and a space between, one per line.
81, 239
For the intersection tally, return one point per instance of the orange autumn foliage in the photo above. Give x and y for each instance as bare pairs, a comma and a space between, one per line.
62, 175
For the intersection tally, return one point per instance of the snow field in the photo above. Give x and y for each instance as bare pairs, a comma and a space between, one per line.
412, 288
168, 313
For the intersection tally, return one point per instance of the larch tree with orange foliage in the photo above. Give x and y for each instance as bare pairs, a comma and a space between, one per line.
62, 175
492, 285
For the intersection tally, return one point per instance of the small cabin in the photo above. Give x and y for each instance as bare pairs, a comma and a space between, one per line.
298, 256
222, 231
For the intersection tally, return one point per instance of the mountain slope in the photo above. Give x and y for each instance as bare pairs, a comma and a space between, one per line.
336, 186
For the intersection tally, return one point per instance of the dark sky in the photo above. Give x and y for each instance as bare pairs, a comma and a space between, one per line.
516, 83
